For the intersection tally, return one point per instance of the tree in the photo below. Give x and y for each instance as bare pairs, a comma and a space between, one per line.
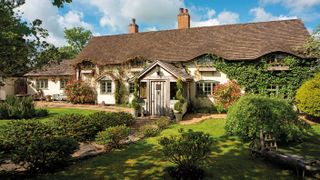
77, 38
22, 45
312, 47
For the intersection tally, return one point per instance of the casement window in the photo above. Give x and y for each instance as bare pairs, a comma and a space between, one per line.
173, 90
273, 89
131, 87
105, 86
42, 83
205, 88
276, 59
63, 83
143, 90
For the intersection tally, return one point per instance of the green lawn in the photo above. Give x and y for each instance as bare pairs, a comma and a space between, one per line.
230, 159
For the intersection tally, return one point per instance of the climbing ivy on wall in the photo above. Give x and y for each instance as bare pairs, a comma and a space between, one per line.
254, 77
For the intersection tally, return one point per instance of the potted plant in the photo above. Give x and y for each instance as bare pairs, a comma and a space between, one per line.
179, 104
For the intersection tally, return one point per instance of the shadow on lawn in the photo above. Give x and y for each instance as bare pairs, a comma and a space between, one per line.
140, 160
231, 159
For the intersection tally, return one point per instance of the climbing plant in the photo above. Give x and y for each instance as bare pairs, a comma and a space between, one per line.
121, 93
254, 77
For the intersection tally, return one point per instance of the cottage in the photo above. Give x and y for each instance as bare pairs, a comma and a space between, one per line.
50, 81
157, 59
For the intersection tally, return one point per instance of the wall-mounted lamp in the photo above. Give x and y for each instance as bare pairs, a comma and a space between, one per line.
158, 71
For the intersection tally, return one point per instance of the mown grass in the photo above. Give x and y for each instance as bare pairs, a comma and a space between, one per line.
230, 158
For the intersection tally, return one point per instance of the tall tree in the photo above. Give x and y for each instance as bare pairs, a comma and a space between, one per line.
312, 47
77, 38
22, 44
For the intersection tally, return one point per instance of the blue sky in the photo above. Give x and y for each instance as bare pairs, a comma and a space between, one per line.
107, 17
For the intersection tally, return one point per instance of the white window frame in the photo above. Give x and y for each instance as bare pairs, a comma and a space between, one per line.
42, 83
63, 82
105, 86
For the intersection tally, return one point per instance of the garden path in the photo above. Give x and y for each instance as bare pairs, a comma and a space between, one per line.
44, 104
196, 118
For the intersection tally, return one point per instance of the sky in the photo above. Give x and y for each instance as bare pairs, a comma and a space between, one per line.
109, 17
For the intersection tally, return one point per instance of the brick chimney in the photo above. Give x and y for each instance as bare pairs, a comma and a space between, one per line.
183, 19
133, 27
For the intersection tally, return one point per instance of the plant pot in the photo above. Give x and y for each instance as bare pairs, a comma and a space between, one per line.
135, 112
178, 116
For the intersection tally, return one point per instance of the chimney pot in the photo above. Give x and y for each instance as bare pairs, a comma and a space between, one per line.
183, 19
133, 27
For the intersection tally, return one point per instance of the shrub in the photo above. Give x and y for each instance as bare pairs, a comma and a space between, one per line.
35, 144
308, 97
113, 136
149, 130
188, 151
226, 94
123, 118
253, 113
41, 112
162, 123
79, 92
17, 108
77, 126
4, 111
103, 120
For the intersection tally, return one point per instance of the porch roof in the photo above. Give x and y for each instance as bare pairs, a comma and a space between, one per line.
175, 71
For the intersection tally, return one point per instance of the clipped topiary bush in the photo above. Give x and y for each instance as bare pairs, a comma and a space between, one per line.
79, 92
35, 145
253, 113
308, 97
188, 151
113, 136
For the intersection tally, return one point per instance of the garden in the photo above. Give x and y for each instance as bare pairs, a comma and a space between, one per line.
42, 142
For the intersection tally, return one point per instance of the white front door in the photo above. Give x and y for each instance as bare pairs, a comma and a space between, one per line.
157, 90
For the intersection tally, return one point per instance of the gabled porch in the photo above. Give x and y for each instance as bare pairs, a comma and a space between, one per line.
158, 87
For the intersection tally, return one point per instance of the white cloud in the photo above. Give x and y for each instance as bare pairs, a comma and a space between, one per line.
51, 20
225, 17
261, 15
150, 29
211, 13
116, 15
296, 6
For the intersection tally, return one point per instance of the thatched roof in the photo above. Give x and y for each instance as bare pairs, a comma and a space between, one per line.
232, 42
64, 68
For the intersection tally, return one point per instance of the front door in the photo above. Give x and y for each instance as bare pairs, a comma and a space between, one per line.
157, 90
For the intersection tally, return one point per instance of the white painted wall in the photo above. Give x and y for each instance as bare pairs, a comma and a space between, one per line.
206, 101
53, 85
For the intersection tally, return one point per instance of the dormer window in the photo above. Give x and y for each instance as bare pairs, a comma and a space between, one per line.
204, 61
137, 63
87, 65
276, 63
